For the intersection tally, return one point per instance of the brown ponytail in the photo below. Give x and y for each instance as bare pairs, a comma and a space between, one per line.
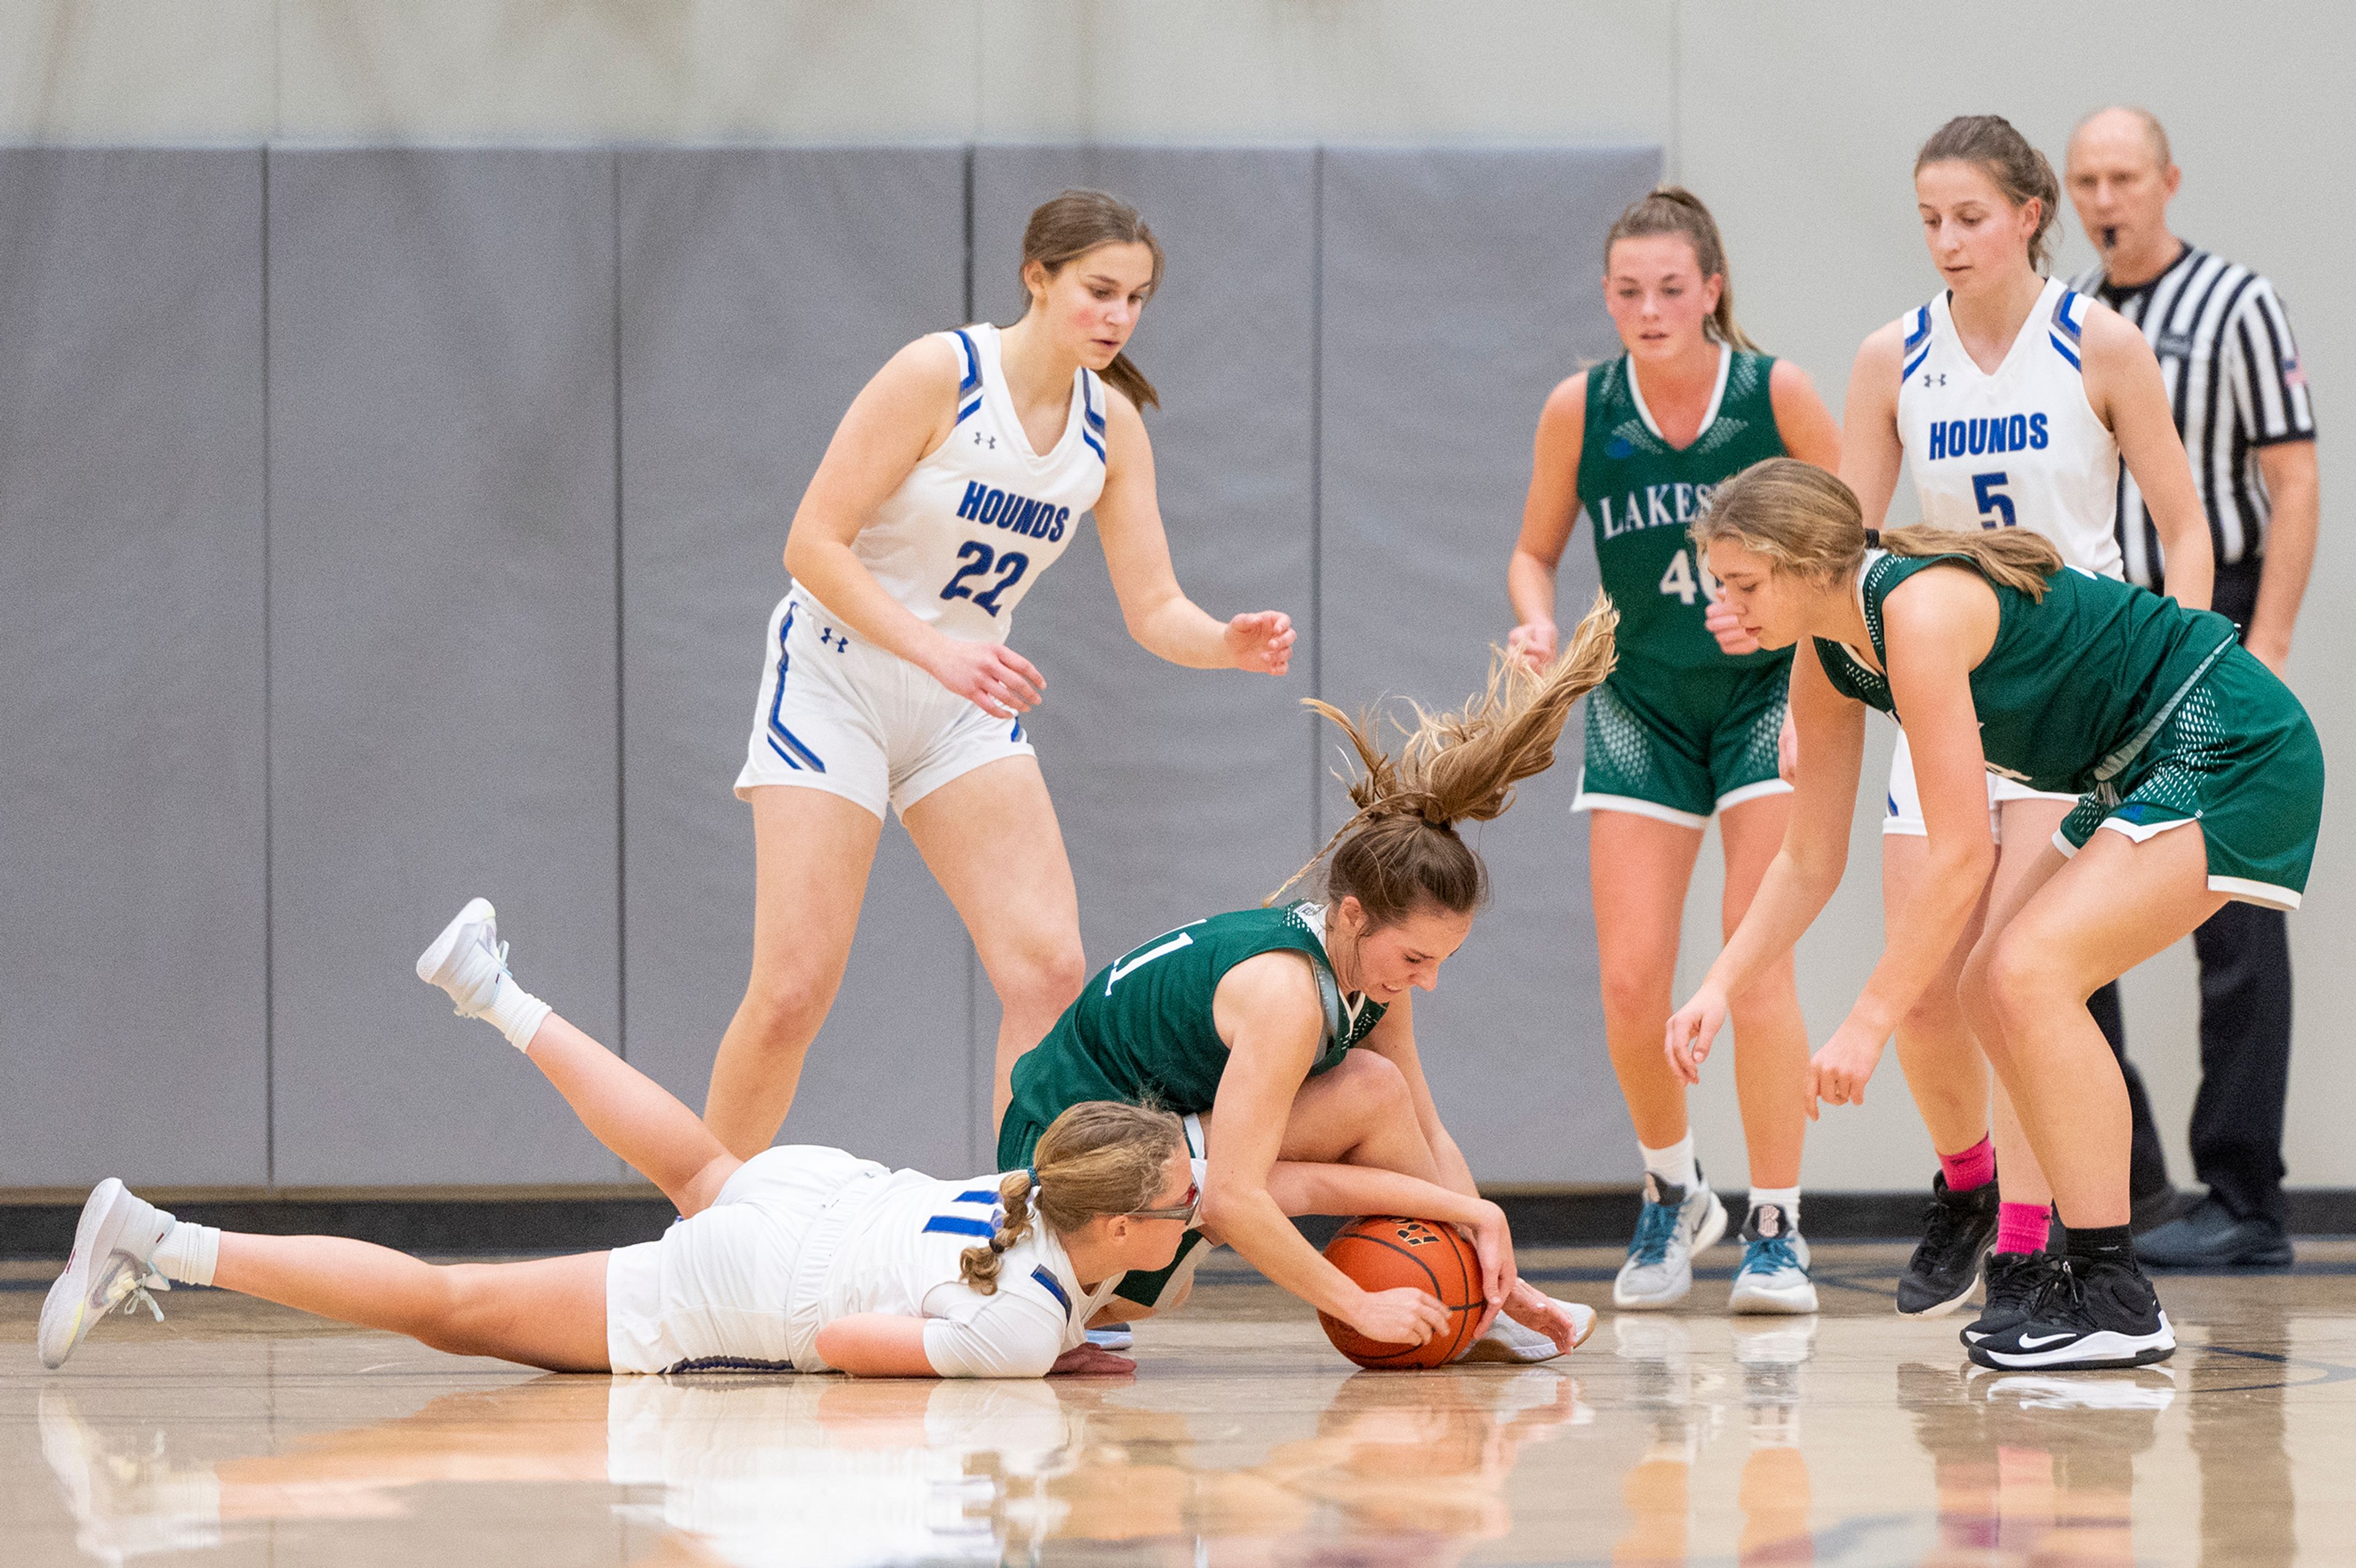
1401, 851
1100, 1157
1806, 522
1062, 230
1989, 143
1673, 210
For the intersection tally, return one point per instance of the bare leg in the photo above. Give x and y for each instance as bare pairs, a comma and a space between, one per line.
2078, 923
1944, 1065
812, 853
1771, 1038
550, 1312
992, 839
1638, 868
634, 1115
2029, 828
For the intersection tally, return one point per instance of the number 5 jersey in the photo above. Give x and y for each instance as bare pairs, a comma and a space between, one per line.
2022, 448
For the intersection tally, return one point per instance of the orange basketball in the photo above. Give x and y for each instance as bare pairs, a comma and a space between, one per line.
1385, 1254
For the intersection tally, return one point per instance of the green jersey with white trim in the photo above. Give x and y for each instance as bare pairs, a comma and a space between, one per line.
1142, 1028
2076, 683
1641, 495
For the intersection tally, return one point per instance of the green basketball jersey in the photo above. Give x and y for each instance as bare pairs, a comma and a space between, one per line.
1641, 495
2075, 685
1143, 1027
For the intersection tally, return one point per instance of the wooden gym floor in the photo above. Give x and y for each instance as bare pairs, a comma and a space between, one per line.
238, 1433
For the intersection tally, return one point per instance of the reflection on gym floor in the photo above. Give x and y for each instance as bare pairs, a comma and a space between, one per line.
241, 1433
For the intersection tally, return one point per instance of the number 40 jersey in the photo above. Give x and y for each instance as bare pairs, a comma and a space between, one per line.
2022, 448
1641, 495
975, 523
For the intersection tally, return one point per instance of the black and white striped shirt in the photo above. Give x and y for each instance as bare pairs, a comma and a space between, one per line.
2234, 376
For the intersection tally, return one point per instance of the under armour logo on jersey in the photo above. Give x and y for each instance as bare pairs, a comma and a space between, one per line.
830, 638
1934, 378
990, 441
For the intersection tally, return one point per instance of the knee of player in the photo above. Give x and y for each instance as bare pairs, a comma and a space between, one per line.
1634, 991
456, 1307
1046, 972
2023, 980
1373, 1082
789, 1003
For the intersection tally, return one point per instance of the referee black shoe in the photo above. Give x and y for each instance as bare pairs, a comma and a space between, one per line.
2012, 1282
2088, 1313
1958, 1229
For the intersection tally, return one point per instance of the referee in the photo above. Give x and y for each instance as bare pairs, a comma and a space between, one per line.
2241, 399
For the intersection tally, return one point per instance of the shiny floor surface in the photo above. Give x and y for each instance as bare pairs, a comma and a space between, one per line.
237, 1433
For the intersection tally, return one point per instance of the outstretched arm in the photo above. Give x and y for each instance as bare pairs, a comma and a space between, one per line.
634, 1116
1136, 551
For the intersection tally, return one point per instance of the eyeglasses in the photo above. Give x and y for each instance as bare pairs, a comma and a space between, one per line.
1185, 1210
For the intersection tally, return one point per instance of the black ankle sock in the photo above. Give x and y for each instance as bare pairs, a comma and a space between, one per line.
2109, 1243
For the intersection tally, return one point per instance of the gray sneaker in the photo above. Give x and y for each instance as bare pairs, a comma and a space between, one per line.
1774, 1272
1674, 1226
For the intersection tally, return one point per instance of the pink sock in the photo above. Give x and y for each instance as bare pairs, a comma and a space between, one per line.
1976, 1167
2022, 1227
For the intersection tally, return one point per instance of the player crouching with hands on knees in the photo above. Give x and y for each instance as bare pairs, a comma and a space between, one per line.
1285, 1036
2203, 766
801, 1258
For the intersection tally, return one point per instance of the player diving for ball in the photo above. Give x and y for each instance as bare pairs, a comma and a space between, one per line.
799, 1259
2200, 781
1285, 1036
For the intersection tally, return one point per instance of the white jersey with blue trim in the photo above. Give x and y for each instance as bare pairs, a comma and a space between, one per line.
903, 1257
2020, 448
972, 526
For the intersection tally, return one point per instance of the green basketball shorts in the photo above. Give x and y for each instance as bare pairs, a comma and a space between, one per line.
2239, 757
1680, 744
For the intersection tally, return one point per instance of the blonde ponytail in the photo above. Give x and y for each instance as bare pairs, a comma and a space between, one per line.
1099, 1158
1806, 522
1401, 851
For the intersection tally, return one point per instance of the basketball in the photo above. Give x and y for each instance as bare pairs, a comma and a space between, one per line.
1385, 1254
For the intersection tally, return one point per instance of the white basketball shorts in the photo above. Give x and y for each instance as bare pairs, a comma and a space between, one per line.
842, 714
711, 1294
1905, 816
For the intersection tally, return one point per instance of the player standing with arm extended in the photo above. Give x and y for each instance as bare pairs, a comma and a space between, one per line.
1688, 724
2242, 404
2013, 401
2201, 779
956, 478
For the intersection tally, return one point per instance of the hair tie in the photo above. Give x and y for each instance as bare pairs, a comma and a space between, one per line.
1873, 538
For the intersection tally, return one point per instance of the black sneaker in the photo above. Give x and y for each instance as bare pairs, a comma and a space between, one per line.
2012, 1282
1959, 1229
2087, 1313
2208, 1236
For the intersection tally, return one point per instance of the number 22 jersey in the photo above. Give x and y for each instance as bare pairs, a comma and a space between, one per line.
975, 523
2022, 448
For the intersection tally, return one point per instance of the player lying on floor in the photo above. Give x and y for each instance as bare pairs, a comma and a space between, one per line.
802, 1258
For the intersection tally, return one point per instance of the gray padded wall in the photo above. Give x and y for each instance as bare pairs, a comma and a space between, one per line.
1459, 287
1181, 792
443, 645
132, 936
760, 290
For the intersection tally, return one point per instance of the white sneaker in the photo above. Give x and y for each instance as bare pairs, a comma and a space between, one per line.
1113, 1337
117, 1234
1507, 1340
468, 960
1774, 1272
1674, 1226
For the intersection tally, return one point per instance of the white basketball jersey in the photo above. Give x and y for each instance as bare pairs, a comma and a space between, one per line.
903, 1257
971, 527
2020, 448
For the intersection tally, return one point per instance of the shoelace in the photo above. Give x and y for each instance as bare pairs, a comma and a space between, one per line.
1770, 1254
129, 1289
1942, 1221
2059, 1297
1654, 1228
459, 1005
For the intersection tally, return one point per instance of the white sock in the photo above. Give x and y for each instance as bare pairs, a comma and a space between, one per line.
187, 1255
1675, 1163
1787, 1199
517, 1013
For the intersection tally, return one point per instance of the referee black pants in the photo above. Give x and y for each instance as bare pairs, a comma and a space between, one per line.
2245, 956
